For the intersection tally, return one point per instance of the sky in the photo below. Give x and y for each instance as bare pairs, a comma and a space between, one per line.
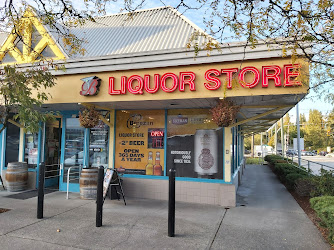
311, 101
197, 18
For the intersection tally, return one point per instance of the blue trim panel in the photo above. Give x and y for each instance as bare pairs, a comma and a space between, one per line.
38, 154
114, 148
165, 144
133, 176
86, 148
223, 154
4, 139
62, 185
24, 146
1, 145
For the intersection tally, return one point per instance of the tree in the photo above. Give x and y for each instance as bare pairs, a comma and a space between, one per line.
302, 28
21, 93
316, 135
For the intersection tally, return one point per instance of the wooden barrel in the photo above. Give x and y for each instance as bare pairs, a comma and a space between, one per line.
17, 176
88, 183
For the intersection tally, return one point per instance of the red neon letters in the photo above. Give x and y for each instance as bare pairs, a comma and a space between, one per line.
256, 78
275, 75
248, 77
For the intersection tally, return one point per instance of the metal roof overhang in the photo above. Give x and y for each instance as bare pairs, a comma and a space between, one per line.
257, 113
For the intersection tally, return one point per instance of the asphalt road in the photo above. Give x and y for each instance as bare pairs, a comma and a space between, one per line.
316, 162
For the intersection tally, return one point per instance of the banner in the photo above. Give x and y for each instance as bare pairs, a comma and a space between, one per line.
139, 145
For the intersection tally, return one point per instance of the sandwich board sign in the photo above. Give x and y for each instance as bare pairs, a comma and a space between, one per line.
106, 181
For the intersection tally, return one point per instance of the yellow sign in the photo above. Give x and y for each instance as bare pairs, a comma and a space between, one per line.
140, 141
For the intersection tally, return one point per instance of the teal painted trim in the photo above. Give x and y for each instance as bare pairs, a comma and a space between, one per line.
223, 154
232, 153
236, 173
49, 182
38, 154
165, 144
32, 170
114, 148
24, 147
4, 140
152, 177
1, 149
108, 142
62, 186
86, 148
72, 187
237, 144
202, 180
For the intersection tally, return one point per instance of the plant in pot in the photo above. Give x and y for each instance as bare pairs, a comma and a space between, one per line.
89, 117
224, 113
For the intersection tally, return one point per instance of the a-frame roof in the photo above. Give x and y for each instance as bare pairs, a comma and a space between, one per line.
148, 30
157, 29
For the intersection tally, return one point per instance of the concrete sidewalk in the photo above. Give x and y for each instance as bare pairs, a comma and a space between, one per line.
270, 219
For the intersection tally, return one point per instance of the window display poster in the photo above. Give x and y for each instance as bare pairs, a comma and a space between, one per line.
194, 144
31, 149
139, 145
98, 145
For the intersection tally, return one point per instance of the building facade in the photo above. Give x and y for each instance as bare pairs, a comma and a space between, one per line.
154, 94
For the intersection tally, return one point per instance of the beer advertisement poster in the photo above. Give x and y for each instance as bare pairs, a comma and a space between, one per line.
139, 145
193, 144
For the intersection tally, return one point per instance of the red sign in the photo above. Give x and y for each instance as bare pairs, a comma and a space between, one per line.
136, 84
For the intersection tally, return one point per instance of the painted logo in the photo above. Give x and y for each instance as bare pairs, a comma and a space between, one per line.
91, 86
136, 121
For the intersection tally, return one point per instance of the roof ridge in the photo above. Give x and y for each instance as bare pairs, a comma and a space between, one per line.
136, 11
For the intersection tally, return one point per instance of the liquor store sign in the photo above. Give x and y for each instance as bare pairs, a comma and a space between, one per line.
247, 77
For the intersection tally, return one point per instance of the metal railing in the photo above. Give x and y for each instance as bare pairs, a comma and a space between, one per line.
311, 167
68, 177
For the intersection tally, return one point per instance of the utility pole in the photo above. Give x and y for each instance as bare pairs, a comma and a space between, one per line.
298, 135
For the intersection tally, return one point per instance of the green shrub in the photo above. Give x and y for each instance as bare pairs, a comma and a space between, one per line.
284, 169
291, 179
324, 207
324, 183
250, 160
272, 158
304, 186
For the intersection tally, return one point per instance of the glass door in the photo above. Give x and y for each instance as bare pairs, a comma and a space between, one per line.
73, 156
51, 153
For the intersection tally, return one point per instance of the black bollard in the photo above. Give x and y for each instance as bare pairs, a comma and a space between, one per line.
171, 203
40, 200
99, 197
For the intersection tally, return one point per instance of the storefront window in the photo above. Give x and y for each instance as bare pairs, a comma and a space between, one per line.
31, 149
74, 146
98, 145
194, 144
140, 142
12, 143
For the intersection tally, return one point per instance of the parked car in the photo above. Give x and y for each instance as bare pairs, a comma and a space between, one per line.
290, 152
323, 153
247, 152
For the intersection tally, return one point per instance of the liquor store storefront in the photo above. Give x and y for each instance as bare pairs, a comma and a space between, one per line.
154, 109
149, 126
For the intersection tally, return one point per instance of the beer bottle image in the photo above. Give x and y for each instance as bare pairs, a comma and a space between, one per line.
149, 166
157, 169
